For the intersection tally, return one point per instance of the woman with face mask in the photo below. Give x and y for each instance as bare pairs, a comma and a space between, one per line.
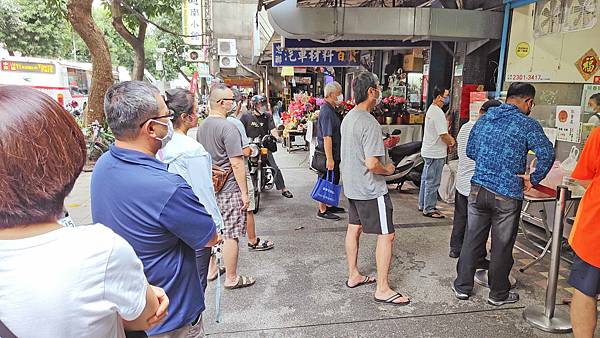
594, 104
190, 160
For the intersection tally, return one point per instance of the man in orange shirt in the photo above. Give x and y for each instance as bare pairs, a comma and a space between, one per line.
585, 241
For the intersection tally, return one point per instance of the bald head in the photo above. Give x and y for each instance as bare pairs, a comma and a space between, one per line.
220, 99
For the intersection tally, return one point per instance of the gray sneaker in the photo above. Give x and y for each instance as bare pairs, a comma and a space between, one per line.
512, 297
458, 294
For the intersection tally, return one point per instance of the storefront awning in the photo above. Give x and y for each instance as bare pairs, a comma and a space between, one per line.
401, 23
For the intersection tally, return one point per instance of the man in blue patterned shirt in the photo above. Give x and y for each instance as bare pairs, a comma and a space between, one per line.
499, 144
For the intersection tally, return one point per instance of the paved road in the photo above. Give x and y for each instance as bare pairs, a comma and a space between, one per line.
300, 290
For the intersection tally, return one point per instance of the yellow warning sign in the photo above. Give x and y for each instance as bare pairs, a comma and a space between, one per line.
522, 49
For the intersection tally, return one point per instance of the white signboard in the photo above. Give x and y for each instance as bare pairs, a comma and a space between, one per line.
568, 123
193, 21
588, 91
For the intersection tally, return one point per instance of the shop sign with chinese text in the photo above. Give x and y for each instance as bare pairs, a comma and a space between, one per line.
193, 21
314, 57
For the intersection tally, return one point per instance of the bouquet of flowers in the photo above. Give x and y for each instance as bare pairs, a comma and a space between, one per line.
392, 109
304, 108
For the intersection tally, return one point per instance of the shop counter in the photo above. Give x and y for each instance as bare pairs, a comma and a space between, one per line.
410, 132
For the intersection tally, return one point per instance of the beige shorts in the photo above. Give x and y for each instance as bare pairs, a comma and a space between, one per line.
251, 201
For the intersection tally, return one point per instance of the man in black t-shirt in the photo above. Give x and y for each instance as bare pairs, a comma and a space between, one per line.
259, 123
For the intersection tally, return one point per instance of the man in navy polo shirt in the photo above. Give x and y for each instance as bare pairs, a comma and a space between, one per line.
329, 140
154, 210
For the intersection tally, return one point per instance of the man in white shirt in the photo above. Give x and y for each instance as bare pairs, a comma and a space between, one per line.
466, 169
434, 150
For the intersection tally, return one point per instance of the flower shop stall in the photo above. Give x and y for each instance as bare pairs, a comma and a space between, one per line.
393, 114
302, 110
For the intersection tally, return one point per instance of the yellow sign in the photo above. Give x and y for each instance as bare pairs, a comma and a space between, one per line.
29, 67
522, 49
287, 71
588, 64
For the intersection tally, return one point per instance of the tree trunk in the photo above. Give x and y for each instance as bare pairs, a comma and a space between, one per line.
137, 43
80, 16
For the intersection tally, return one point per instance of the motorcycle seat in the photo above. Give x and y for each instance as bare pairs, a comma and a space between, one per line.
403, 150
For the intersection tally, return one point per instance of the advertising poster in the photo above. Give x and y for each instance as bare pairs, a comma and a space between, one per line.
568, 123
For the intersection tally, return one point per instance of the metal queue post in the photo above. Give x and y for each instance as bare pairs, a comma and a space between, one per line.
548, 318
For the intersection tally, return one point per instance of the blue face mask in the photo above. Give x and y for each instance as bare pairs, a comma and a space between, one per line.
446, 100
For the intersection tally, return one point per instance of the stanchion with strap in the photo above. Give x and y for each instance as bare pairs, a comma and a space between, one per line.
548, 318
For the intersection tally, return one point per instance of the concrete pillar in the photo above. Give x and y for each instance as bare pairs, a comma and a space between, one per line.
440, 68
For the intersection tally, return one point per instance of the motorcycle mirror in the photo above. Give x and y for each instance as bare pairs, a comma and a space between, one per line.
397, 132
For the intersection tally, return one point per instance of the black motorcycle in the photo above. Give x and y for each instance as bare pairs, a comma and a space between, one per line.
261, 172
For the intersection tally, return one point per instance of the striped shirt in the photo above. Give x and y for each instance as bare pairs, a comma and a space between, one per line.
466, 166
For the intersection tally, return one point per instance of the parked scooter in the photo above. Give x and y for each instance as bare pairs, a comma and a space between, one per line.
408, 161
263, 177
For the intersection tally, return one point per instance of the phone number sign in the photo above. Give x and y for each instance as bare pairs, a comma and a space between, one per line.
527, 77
314, 57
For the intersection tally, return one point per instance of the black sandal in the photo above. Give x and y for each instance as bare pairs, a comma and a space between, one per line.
435, 214
366, 281
265, 245
392, 299
287, 194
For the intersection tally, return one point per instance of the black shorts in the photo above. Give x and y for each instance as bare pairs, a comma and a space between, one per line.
585, 277
375, 216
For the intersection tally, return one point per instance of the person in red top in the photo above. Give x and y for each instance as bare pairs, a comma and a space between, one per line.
585, 241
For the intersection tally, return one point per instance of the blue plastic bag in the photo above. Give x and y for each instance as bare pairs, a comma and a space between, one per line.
325, 191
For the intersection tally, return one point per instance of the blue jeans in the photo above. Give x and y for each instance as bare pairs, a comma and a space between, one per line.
430, 183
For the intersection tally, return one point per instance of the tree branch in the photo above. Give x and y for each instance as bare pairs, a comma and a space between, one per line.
184, 76
117, 22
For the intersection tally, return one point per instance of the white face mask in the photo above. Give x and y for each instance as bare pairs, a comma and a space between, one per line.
170, 131
262, 109
339, 99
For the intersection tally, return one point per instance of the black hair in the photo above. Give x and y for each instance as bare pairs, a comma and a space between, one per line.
596, 97
179, 101
521, 90
490, 104
437, 91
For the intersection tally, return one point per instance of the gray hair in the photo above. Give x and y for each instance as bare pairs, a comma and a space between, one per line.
127, 105
332, 87
361, 84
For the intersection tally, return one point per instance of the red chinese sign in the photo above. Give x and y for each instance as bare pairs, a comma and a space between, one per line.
587, 65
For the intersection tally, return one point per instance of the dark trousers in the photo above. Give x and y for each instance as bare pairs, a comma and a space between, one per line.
459, 225
277, 175
487, 209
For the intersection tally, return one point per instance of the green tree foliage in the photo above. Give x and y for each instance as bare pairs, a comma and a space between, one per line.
39, 28
28, 27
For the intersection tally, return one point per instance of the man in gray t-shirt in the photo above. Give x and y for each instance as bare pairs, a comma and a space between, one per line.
363, 170
361, 139
223, 142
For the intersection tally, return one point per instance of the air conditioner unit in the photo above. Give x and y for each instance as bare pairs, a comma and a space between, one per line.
227, 61
195, 55
226, 47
